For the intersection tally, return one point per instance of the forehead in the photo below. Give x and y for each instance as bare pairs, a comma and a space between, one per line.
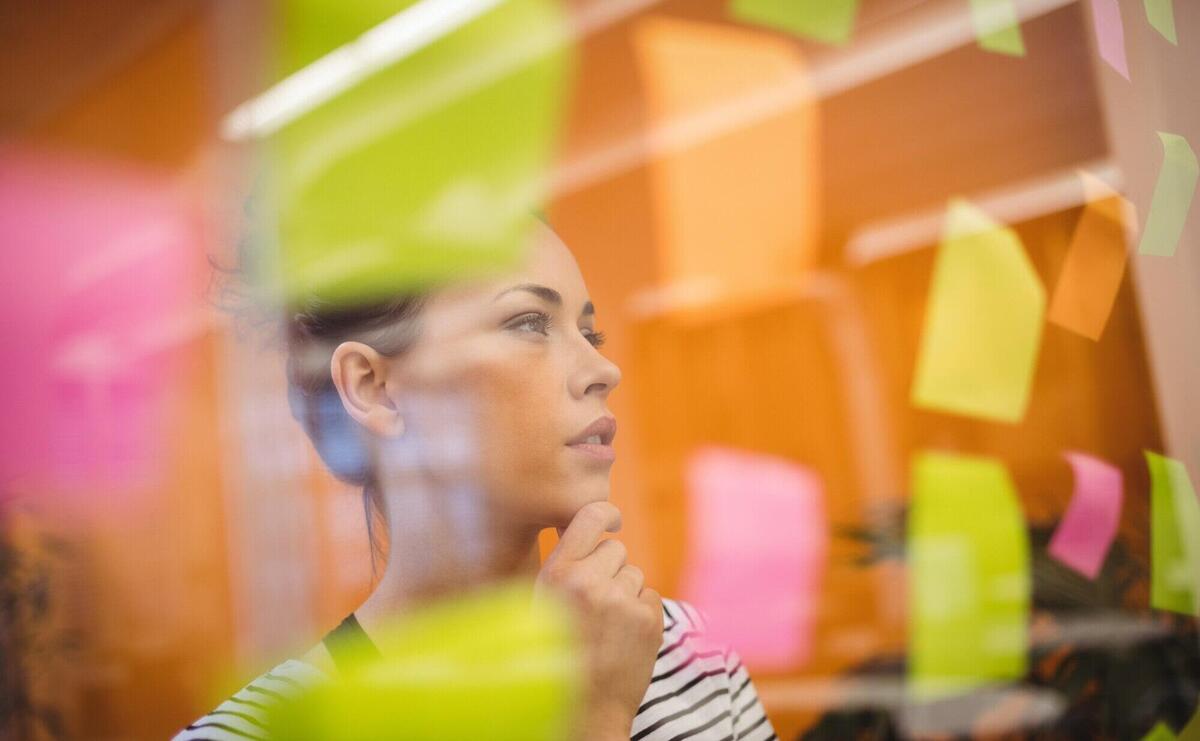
550, 263
546, 262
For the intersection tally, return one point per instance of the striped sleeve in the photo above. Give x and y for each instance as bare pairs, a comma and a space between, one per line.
245, 715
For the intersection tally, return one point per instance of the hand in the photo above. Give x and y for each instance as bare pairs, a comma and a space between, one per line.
620, 620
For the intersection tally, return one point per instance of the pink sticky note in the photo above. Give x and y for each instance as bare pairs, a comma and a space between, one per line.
1089, 525
1110, 34
98, 273
757, 540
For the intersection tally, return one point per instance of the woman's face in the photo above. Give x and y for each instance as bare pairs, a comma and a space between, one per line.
507, 372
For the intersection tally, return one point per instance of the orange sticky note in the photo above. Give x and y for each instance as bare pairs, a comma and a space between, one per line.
699, 80
1091, 274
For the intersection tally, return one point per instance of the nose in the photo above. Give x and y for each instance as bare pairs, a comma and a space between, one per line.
595, 374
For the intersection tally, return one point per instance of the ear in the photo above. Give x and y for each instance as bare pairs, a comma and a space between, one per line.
360, 375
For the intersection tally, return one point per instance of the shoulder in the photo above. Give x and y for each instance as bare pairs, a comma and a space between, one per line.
699, 688
686, 644
677, 612
244, 715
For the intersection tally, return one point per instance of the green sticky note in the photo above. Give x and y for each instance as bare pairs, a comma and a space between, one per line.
1173, 195
408, 156
968, 576
1174, 537
983, 321
492, 665
1161, 15
1160, 732
830, 21
997, 26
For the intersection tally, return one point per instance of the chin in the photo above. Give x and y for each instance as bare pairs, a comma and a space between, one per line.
585, 494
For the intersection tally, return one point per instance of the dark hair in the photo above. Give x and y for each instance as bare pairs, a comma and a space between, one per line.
313, 332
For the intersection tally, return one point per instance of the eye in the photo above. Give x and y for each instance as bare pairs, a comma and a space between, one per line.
596, 338
536, 321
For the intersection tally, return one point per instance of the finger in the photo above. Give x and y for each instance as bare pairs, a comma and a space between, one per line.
632, 578
652, 598
607, 559
585, 529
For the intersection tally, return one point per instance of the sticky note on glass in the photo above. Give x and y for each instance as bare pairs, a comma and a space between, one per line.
830, 21
757, 541
1161, 14
1110, 35
1089, 524
1173, 195
488, 665
1095, 262
406, 149
983, 321
688, 69
103, 270
997, 26
968, 576
1174, 537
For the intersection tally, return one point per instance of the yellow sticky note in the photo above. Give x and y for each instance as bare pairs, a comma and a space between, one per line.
998, 27
1174, 537
831, 21
1095, 263
491, 665
1173, 195
407, 148
968, 576
983, 321
1161, 14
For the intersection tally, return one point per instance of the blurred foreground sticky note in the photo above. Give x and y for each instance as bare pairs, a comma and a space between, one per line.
1095, 263
983, 321
1161, 14
997, 26
830, 21
1172, 197
1088, 526
968, 575
1174, 537
1110, 34
489, 665
426, 168
757, 541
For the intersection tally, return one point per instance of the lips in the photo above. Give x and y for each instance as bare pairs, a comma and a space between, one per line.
600, 432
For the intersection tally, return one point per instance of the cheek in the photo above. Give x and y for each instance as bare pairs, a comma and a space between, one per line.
521, 436
520, 414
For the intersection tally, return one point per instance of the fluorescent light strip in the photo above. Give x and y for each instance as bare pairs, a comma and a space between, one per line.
1013, 204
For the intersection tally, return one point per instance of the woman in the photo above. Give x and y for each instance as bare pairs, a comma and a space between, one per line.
474, 416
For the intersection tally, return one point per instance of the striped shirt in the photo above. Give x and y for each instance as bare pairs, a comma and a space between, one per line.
698, 691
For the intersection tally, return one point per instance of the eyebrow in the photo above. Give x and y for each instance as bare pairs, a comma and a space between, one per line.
547, 294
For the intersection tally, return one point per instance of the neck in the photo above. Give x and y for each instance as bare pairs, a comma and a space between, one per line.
443, 545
